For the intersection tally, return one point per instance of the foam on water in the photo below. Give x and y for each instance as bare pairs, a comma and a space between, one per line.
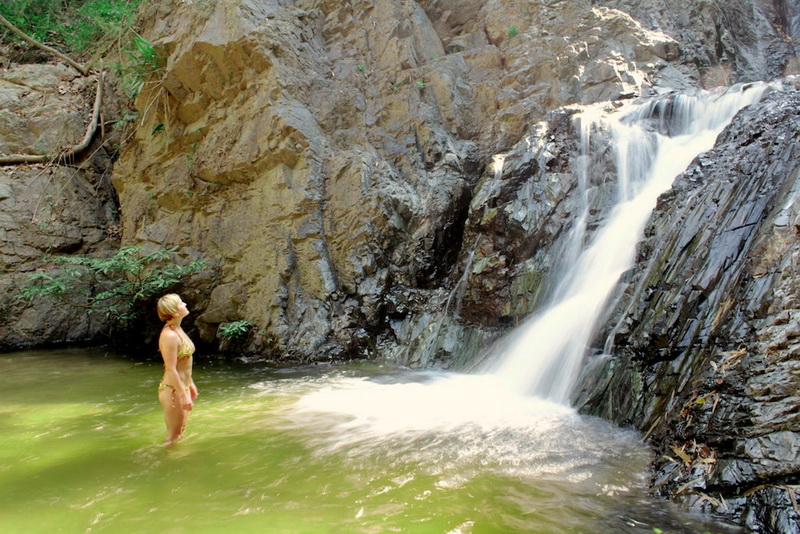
437, 402
454, 426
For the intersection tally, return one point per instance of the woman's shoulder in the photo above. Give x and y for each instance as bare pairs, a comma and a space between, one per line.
168, 334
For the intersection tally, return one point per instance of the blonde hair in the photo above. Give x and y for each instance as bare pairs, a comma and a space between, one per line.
167, 306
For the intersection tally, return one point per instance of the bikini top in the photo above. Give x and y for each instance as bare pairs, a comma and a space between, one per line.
186, 348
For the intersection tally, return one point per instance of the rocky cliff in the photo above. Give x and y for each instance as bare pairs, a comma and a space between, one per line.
50, 209
334, 163
335, 213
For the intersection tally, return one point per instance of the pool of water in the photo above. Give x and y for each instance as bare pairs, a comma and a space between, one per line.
349, 449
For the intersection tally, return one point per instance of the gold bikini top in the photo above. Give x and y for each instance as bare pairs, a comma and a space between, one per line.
187, 346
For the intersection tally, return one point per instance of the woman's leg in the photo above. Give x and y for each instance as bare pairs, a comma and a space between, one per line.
174, 416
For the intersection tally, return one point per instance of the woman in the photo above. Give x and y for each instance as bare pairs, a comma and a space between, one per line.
177, 391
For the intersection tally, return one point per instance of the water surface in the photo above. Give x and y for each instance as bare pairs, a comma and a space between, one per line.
360, 448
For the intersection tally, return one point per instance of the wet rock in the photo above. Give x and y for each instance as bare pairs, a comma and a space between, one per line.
706, 323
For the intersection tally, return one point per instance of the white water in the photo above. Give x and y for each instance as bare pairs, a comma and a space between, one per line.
546, 352
456, 427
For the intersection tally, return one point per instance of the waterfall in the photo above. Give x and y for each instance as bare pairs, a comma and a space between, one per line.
654, 142
517, 419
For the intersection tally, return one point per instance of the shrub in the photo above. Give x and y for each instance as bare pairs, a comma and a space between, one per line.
117, 285
234, 331
144, 65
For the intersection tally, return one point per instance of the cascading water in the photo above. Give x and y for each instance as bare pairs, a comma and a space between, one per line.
545, 354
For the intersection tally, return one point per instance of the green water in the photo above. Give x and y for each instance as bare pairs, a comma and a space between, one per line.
302, 450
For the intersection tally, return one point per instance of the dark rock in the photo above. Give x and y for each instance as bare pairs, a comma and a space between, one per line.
707, 346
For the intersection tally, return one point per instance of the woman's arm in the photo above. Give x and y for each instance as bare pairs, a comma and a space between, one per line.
169, 352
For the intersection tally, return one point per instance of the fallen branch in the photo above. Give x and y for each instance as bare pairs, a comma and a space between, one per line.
66, 152
80, 68
790, 488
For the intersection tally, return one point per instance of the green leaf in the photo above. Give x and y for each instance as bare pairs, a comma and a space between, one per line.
235, 331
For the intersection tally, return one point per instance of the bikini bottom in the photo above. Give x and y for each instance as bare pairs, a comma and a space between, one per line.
163, 385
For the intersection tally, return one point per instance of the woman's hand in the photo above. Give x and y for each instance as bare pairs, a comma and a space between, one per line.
193, 391
186, 403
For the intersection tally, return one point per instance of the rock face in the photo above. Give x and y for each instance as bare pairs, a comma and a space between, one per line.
727, 41
338, 207
49, 209
338, 211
